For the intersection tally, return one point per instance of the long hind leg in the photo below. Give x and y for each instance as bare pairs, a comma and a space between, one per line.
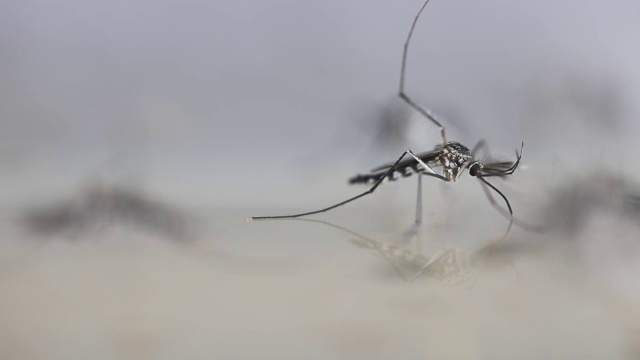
427, 171
414, 230
402, 94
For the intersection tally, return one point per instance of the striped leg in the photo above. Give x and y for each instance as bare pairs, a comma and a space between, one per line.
370, 191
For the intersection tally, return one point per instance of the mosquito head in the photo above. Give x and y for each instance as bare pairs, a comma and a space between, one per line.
475, 168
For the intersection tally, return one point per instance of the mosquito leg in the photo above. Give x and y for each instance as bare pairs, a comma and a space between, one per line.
370, 191
448, 206
501, 210
425, 112
521, 224
418, 220
414, 230
419, 241
493, 202
426, 167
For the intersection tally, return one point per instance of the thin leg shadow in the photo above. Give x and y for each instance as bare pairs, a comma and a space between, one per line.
448, 265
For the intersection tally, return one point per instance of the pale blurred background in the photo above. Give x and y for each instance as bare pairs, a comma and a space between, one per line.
137, 136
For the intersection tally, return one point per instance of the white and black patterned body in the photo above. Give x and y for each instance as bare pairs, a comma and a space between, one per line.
453, 158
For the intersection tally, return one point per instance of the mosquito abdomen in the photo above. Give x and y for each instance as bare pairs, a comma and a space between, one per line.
365, 178
373, 177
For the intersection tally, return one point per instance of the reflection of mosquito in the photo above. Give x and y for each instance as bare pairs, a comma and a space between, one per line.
451, 266
448, 265
453, 157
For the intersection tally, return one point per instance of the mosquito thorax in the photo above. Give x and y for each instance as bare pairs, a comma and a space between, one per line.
456, 152
454, 156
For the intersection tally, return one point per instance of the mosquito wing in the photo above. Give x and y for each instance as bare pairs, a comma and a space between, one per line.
428, 158
404, 168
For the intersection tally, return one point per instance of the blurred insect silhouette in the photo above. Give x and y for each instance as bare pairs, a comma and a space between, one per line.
452, 156
99, 206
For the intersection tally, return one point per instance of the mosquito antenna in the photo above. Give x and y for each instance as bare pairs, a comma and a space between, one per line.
487, 170
425, 112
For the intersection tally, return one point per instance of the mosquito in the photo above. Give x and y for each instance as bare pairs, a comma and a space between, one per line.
453, 157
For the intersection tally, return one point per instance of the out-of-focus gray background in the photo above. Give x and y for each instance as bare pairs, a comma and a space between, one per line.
200, 114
